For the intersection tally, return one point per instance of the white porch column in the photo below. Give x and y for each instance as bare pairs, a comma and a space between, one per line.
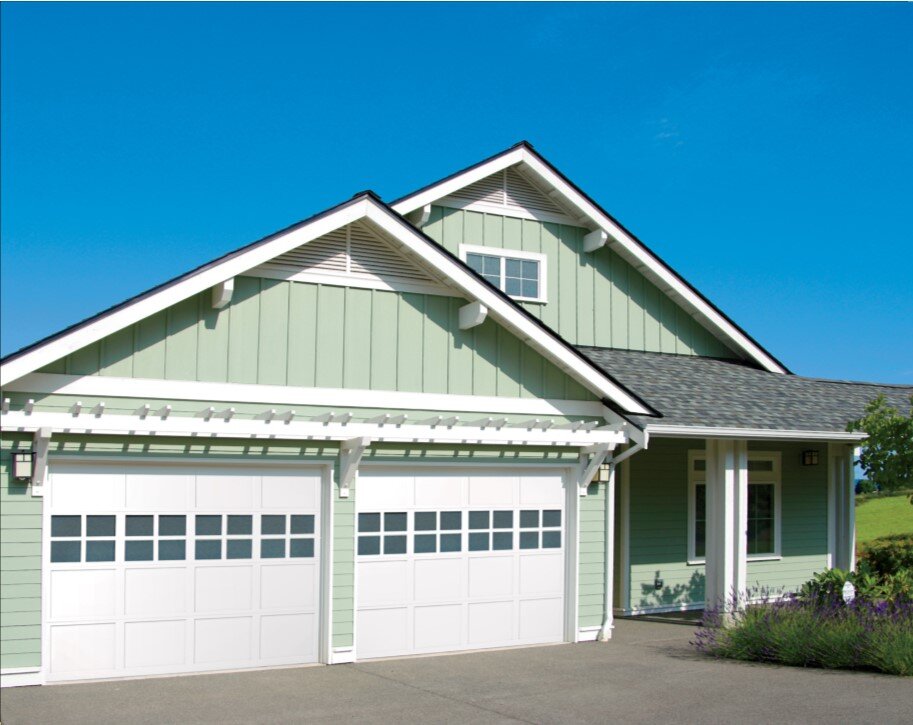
842, 506
727, 521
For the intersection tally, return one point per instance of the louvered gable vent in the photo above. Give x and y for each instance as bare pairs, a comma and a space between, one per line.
355, 253
511, 191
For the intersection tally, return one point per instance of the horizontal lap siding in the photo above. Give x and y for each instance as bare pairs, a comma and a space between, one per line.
20, 566
659, 526
593, 298
343, 614
803, 523
311, 335
592, 556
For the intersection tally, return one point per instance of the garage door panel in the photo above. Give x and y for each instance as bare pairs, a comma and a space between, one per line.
287, 636
382, 632
88, 492
470, 549
157, 491
385, 492
438, 580
541, 574
223, 639
437, 628
155, 644
155, 592
79, 594
287, 586
540, 620
221, 492
492, 491
223, 588
491, 623
542, 491
290, 492
439, 491
156, 569
383, 582
83, 648
491, 577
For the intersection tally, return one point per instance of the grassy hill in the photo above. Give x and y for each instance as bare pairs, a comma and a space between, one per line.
882, 516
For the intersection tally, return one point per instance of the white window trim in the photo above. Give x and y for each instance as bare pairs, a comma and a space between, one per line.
774, 477
466, 249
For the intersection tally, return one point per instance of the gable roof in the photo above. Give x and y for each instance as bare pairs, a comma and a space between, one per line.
365, 206
694, 392
589, 214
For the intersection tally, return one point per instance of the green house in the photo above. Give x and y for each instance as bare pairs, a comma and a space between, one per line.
483, 415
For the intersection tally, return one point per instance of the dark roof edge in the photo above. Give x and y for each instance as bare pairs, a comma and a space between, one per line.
180, 278
527, 145
358, 197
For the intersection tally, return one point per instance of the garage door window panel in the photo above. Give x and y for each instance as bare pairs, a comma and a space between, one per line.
71, 535
382, 533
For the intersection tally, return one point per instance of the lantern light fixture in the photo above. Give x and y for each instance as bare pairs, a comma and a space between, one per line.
23, 464
810, 458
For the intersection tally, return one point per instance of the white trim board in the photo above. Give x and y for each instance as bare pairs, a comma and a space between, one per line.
284, 429
686, 431
618, 239
412, 242
343, 398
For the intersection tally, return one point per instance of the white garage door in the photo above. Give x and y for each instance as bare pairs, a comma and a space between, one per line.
450, 561
165, 570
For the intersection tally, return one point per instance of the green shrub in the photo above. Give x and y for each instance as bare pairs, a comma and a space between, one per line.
808, 633
889, 554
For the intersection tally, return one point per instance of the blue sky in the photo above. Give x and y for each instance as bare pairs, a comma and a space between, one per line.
764, 151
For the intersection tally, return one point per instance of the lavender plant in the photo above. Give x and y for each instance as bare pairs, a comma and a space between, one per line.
815, 628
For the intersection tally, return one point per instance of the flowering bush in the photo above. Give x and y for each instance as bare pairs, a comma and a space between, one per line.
816, 630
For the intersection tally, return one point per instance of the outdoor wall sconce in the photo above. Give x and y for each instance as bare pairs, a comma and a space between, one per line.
809, 458
23, 465
602, 475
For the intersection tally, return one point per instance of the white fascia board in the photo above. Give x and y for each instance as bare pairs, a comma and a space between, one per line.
172, 294
283, 429
647, 261
592, 217
506, 313
686, 431
281, 395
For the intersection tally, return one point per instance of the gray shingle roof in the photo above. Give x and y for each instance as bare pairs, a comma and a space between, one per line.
697, 391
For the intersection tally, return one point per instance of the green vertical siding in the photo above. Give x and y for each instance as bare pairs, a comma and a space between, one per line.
591, 556
20, 565
593, 299
659, 525
292, 333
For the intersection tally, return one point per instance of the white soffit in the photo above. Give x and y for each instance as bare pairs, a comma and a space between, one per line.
532, 166
395, 229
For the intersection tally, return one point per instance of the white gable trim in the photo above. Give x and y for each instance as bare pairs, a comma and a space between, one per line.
619, 240
172, 294
398, 230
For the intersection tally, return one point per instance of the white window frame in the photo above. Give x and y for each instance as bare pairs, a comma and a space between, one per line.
502, 254
773, 477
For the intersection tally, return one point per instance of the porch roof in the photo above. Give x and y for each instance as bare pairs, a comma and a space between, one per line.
705, 392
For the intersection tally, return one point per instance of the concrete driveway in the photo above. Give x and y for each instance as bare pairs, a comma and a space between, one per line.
647, 674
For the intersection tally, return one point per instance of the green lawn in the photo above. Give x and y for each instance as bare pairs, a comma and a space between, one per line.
883, 517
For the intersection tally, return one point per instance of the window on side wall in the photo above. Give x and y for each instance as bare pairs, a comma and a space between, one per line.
521, 275
763, 530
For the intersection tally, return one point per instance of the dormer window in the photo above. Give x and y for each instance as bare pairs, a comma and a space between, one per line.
520, 274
